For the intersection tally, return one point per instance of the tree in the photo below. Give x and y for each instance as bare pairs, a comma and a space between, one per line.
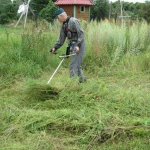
38, 5
4, 1
131, 9
144, 12
48, 13
100, 10
7, 11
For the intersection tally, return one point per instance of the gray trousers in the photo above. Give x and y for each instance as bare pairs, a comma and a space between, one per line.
76, 61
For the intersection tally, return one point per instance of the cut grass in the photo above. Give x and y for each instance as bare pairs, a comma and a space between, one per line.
102, 113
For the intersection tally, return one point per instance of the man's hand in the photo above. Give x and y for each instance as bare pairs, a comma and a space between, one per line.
53, 50
76, 49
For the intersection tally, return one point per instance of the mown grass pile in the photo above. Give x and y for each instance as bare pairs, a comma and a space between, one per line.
110, 111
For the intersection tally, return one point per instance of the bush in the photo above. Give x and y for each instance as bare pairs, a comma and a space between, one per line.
4, 18
48, 13
7, 13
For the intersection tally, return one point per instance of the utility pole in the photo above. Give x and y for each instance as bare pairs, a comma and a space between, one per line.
121, 10
110, 9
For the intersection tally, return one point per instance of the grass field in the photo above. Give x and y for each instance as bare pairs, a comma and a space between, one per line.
111, 111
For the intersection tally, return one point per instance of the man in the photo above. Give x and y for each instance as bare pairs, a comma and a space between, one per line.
71, 29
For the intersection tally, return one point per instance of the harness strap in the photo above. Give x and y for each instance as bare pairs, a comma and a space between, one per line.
65, 24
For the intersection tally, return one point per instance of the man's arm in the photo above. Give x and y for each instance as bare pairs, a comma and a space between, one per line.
79, 32
61, 39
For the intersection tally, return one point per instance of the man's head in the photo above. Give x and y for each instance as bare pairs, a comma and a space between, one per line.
61, 15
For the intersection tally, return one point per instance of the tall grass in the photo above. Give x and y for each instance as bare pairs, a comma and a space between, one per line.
25, 53
109, 43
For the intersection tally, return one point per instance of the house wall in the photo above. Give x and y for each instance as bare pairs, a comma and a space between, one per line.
82, 15
69, 9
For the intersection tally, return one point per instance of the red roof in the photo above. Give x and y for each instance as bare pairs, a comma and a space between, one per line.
74, 2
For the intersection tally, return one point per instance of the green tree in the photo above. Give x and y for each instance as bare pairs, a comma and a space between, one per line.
144, 12
38, 5
100, 9
8, 11
4, 1
48, 13
116, 7
129, 9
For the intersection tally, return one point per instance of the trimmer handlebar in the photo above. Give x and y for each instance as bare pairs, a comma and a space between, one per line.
66, 56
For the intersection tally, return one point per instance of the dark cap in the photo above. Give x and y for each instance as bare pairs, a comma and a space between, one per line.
59, 11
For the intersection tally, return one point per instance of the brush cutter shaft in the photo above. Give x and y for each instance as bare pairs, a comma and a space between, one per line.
63, 58
55, 71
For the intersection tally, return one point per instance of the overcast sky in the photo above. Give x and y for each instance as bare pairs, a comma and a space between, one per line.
140, 1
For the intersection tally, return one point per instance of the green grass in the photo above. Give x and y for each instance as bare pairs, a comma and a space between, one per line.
109, 112
102, 113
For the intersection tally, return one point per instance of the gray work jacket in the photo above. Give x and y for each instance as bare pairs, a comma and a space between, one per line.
73, 26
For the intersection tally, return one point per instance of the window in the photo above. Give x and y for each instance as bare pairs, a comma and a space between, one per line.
82, 9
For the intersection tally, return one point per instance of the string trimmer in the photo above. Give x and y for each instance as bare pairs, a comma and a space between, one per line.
63, 58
